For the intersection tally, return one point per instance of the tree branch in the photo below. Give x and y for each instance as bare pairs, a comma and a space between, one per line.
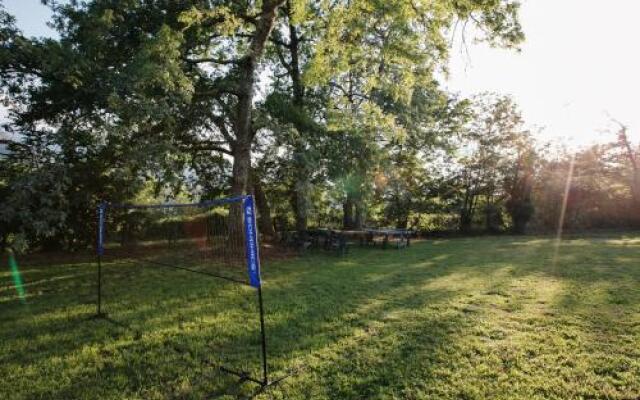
284, 62
279, 42
210, 147
222, 127
13, 143
211, 60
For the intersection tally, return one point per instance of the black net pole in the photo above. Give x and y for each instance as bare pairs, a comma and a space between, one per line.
99, 285
265, 377
227, 247
100, 249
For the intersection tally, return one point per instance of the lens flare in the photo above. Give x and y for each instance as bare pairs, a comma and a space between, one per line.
563, 210
17, 278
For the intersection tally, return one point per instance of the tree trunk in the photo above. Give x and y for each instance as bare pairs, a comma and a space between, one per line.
242, 120
265, 224
302, 168
635, 168
246, 83
347, 209
239, 182
402, 222
241, 169
359, 220
465, 223
301, 203
466, 212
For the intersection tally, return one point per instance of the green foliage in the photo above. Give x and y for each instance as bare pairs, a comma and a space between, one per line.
599, 190
519, 182
38, 198
164, 92
489, 161
521, 213
369, 65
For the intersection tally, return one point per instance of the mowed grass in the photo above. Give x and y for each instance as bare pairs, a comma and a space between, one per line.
480, 318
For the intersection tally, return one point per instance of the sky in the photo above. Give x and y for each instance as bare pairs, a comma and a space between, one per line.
578, 68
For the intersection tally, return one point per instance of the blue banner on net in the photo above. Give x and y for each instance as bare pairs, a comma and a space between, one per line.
100, 245
251, 242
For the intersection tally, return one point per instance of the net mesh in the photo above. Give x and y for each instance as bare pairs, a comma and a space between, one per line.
206, 239
180, 271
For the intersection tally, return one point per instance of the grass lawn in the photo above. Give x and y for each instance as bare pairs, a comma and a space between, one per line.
480, 318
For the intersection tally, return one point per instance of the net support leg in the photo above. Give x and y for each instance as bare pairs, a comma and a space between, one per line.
265, 377
99, 305
100, 250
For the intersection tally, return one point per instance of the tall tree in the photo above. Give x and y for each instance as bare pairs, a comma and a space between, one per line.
175, 78
488, 153
633, 160
364, 52
433, 121
293, 103
373, 52
519, 181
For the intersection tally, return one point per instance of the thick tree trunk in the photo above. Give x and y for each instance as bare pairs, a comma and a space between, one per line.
239, 182
301, 203
296, 76
241, 169
242, 120
242, 127
242, 123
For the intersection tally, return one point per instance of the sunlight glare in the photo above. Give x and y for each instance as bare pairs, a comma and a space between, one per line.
17, 278
563, 211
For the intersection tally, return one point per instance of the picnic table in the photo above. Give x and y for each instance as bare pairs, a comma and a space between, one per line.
339, 240
327, 239
399, 238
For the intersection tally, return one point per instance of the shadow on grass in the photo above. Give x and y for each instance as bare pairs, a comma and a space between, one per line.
296, 324
372, 324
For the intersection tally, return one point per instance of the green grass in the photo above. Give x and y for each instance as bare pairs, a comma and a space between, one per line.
481, 318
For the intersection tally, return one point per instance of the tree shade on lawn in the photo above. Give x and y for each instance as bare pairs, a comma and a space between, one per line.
488, 317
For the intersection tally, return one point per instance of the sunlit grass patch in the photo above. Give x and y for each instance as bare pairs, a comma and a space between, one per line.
479, 318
